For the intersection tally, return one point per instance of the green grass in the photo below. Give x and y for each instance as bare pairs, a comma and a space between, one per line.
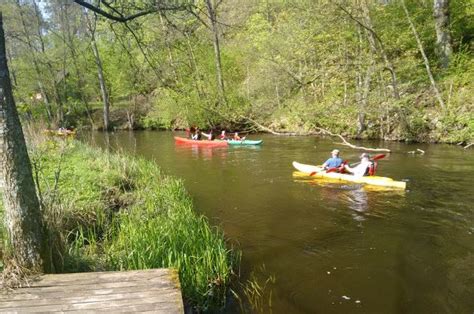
115, 212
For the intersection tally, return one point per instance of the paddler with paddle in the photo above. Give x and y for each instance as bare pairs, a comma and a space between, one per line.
334, 162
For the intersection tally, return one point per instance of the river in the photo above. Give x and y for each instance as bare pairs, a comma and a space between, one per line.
334, 248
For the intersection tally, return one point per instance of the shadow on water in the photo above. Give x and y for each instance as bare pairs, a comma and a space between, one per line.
334, 248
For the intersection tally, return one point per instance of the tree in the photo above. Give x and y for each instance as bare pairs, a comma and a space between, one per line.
22, 208
425, 58
443, 36
34, 59
100, 72
211, 11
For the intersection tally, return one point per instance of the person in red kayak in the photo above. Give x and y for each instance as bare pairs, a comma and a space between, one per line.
334, 162
197, 135
190, 132
210, 136
223, 136
363, 168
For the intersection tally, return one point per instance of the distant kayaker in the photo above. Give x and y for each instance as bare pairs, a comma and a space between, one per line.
190, 132
334, 162
362, 168
197, 135
223, 136
210, 136
237, 137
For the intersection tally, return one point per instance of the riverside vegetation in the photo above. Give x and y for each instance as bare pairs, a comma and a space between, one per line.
106, 211
396, 70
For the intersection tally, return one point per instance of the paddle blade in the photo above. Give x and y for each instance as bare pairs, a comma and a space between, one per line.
314, 172
379, 156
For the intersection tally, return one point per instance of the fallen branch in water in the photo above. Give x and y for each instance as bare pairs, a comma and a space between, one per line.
346, 143
422, 152
468, 145
321, 131
267, 129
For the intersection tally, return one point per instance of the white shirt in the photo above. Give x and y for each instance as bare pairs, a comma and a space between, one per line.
361, 169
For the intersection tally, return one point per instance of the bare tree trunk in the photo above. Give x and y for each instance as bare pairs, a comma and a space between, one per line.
100, 74
69, 41
103, 86
425, 59
443, 37
194, 67
168, 48
56, 93
35, 62
22, 209
217, 52
361, 127
380, 49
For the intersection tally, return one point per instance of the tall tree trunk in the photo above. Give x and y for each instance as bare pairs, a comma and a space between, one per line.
69, 41
425, 59
362, 102
217, 50
100, 73
34, 60
168, 48
103, 86
22, 209
194, 69
373, 40
443, 37
380, 49
44, 59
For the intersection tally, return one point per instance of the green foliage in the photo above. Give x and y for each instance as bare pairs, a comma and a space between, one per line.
115, 212
293, 65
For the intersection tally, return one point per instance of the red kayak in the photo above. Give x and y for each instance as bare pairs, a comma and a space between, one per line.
205, 143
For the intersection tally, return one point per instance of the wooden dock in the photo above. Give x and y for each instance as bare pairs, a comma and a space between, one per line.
154, 290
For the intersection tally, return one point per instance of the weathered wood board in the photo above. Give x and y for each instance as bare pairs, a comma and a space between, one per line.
153, 290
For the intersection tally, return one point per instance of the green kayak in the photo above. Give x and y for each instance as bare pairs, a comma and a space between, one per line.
244, 142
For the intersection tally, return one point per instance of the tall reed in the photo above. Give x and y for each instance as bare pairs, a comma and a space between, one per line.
115, 212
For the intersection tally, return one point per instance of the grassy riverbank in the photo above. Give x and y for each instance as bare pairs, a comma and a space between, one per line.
107, 211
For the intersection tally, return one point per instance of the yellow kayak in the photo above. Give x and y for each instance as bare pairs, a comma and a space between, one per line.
305, 170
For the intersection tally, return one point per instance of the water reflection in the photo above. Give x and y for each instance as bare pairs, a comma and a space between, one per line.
358, 202
203, 153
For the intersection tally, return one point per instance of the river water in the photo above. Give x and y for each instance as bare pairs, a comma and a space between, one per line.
333, 248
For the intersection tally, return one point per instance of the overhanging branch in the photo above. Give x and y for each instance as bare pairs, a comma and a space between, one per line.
118, 17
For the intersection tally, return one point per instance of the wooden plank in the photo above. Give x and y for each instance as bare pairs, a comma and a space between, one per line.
60, 298
33, 293
97, 288
101, 277
155, 290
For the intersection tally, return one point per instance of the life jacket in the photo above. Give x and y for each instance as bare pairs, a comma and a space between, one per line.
372, 168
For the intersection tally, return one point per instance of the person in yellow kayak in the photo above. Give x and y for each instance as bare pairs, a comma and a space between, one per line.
334, 162
364, 168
